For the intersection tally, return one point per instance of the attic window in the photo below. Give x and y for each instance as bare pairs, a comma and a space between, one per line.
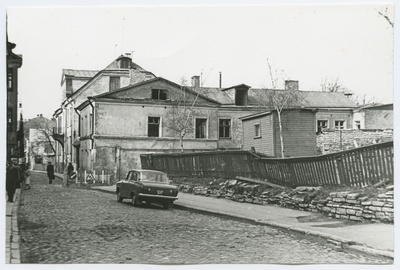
125, 63
159, 94
68, 83
114, 83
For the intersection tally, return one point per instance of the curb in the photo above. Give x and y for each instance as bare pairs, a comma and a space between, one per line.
340, 243
13, 255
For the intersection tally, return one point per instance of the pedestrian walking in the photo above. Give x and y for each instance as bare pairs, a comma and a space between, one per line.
11, 181
27, 178
50, 172
70, 171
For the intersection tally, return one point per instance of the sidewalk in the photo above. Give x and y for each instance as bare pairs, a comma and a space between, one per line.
370, 238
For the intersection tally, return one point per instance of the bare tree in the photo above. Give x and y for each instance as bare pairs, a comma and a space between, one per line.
385, 15
332, 85
179, 118
44, 126
278, 100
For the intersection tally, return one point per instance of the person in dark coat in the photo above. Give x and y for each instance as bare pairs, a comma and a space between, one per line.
50, 172
70, 170
12, 178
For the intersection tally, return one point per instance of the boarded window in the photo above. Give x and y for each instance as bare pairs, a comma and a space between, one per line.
201, 128
125, 63
159, 94
339, 124
153, 127
69, 86
224, 128
257, 130
114, 83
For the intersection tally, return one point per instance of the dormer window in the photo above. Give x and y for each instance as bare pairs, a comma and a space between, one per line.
241, 97
125, 63
159, 94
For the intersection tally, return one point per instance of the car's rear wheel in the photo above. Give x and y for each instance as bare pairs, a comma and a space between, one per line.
135, 200
119, 198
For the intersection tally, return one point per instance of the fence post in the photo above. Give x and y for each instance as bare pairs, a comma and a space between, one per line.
84, 179
94, 176
102, 176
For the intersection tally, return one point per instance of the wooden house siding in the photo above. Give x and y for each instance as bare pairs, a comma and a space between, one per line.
264, 143
299, 136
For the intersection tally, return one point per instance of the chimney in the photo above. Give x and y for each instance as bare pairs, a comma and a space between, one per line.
220, 79
196, 81
291, 85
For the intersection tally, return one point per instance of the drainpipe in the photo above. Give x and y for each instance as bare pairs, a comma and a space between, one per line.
92, 133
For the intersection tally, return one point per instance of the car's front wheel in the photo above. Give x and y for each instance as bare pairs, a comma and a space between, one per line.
119, 198
167, 205
135, 200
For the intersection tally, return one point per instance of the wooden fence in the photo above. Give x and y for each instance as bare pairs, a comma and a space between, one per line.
357, 167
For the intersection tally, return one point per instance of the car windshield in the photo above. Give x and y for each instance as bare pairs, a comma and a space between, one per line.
154, 177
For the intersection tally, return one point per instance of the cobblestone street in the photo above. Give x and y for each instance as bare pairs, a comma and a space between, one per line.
70, 225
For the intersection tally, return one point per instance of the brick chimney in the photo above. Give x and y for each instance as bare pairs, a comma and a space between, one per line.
196, 81
291, 85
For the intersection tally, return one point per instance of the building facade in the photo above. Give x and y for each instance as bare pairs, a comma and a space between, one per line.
374, 116
14, 62
77, 86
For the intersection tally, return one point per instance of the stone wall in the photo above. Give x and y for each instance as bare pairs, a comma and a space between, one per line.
365, 205
332, 141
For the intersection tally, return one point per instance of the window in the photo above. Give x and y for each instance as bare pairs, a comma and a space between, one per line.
201, 128
9, 119
224, 128
339, 124
159, 94
153, 127
322, 124
69, 86
358, 124
125, 63
9, 80
257, 130
114, 83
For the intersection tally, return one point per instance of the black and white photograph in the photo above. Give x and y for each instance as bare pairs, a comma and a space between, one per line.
199, 135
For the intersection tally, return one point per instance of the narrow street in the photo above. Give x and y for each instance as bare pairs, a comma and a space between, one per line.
70, 225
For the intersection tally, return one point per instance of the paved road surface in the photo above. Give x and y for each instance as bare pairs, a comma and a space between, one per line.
69, 225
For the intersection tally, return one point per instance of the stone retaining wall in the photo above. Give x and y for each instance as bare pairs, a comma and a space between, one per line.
332, 141
341, 205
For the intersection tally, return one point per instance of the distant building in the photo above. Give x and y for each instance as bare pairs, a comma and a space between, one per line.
374, 116
14, 62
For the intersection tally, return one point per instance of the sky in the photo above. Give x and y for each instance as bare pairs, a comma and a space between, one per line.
308, 43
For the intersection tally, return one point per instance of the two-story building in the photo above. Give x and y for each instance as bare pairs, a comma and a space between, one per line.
77, 85
149, 117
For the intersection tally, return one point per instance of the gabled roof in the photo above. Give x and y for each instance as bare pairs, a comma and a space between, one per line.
113, 66
110, 94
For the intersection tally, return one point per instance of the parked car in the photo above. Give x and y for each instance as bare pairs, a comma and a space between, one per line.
147, 186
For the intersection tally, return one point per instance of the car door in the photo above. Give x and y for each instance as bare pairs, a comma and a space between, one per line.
124, 187
132, 183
